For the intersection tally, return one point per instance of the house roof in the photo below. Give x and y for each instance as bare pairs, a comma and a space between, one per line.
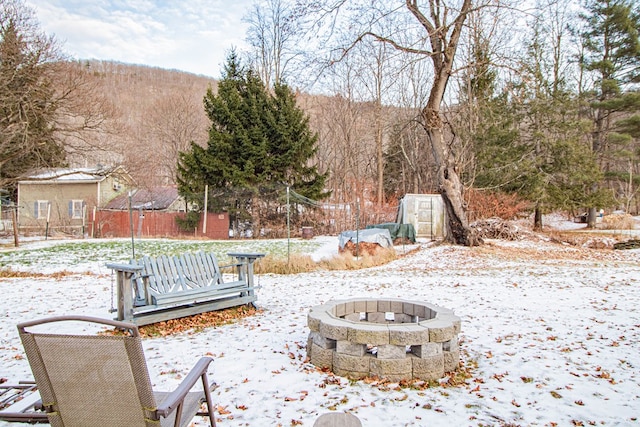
70, 175
154, 198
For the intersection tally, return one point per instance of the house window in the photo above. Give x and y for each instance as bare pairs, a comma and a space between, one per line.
75, 209
40, 209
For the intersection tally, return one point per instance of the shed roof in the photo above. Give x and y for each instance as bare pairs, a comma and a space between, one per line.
154, 198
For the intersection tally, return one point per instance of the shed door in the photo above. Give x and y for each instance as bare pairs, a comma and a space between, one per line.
424, 217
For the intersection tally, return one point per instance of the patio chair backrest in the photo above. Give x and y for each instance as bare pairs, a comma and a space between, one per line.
85, 380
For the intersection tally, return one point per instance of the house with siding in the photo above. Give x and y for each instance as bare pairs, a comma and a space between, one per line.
65, 199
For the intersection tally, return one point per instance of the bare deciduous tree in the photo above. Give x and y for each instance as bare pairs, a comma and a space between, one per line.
174, 122
440, 23
27, 97
273, 35
51, 110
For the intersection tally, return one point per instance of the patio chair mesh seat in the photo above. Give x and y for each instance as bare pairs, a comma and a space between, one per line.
102, 380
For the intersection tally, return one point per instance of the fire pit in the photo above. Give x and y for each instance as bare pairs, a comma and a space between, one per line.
394, 339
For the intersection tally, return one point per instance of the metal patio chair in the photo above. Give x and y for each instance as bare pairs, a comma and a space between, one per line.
102, 380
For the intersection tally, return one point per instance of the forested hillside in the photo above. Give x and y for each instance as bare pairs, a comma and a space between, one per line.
154, 113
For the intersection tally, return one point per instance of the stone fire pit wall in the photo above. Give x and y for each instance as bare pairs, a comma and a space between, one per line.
394, 339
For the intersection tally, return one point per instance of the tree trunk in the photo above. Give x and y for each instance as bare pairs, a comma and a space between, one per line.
14, 220
379, 153
458, 230
596, 147
449, 185
591, 217
537, 218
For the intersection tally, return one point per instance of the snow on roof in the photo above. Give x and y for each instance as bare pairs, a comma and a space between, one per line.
57, 175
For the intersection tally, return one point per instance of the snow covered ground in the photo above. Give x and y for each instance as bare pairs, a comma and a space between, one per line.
551, 334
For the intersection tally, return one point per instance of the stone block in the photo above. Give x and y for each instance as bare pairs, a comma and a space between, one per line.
408, 308
322, 341
421, 311
340, 310
427, 350
349, 308
313, 322
384, 306
320, 357
457, 326
429, 368
376, 317
408, 334
360, 306
349, 363
391, 351
335, 329
451, 345
391, 368
451, 360
372, 334
401, 318
396, 306
372, 306
353, 317
321, 308
453, 319
354, 375
346, 347
439, 330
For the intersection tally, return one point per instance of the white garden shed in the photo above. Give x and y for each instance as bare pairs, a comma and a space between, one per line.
425, 212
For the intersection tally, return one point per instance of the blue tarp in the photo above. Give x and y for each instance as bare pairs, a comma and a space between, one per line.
371, 235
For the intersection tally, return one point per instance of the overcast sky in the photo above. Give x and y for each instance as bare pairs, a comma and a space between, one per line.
192, 36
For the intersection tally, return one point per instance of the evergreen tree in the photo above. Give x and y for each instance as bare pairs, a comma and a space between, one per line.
533, 144
28, 103
613, 57
259, 142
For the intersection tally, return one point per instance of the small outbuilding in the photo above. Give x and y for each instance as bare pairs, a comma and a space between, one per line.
425, 212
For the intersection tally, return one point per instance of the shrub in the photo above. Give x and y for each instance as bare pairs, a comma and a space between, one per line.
488, 204
618, 222
189, 222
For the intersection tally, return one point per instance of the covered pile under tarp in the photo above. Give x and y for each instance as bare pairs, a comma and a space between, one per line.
371, 235
398, 231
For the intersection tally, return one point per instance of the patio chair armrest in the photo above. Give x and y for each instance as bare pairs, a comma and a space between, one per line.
133, 329
177, 396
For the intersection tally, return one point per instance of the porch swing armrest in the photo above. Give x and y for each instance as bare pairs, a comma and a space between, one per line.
125, 268
124, 274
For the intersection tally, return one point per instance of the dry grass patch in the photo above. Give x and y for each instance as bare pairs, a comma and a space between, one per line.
618, 222
585, 239
347, 261
304, 263
297, 264
9, 273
